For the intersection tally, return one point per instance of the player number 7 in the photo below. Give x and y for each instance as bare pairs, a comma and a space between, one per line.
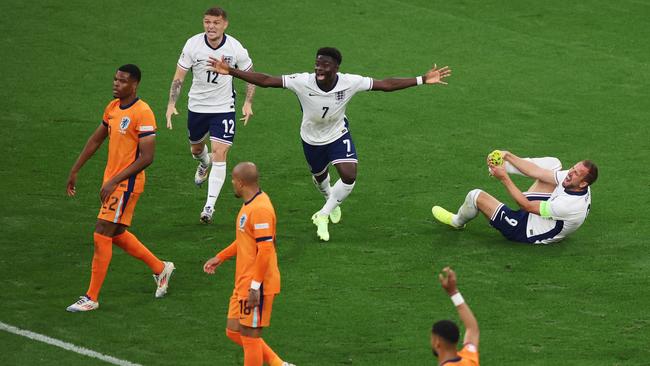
326, 109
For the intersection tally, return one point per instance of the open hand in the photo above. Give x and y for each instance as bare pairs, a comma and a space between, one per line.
220, 66
211, 265
436, 76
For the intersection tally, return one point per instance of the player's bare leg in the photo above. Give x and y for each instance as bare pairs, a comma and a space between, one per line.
216, 179
200, 152
475, 201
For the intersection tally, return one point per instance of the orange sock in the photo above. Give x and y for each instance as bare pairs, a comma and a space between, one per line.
270, 358
234, 336
252, 351
101, 260
135, 248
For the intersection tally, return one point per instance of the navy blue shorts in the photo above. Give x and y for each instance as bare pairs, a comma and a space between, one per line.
221, 127
320, 156
511, 223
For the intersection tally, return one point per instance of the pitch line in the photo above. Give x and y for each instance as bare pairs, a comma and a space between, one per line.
65, 345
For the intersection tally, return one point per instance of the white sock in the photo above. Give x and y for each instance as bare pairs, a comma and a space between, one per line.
323, 187
215, 182
340, 191
203, 157
549, 163
467, 210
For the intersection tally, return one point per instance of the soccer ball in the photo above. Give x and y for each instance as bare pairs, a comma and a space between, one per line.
495, 157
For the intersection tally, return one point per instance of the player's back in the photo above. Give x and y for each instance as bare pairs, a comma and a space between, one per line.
256, 223
126, 125
468, 356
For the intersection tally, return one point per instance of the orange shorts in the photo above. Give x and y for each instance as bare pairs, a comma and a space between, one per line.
119, 207
257, 317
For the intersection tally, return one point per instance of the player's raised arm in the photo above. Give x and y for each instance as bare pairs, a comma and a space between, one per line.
174, 92
257, 78
94, 142
433, 76
448, 282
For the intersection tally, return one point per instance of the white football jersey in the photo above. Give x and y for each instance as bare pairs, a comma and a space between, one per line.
568, 211
323, 113
211, 92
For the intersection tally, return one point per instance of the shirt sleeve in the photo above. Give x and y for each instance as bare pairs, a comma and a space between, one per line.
470, 353
147, 123
558, 209
361, 83
185, 60
105, 115
560, 175
293, 82
242, 59
263, 222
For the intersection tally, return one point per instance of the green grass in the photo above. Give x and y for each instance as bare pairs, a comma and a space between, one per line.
538, 78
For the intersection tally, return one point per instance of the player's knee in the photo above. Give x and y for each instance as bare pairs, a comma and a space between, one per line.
472, 197
197, 149
556, 164
349, 179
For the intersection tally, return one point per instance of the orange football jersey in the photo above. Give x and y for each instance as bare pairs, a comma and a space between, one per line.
126, 125
255, 224
468, 356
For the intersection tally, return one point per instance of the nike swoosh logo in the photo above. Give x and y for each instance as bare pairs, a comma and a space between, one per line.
348, 155
227, 136
314, 95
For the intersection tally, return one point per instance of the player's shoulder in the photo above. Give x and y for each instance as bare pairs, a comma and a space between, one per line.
113, 103
264, 202
194, 42
232, 40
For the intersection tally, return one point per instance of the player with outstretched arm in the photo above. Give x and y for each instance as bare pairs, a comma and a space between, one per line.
326, 139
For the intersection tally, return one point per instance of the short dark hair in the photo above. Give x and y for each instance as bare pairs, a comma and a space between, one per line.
216, 12
331, 52
592, 174
133, 70
447, 330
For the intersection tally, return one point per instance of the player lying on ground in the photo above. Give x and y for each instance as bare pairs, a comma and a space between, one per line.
211, 104
445, 333
257, 277
326, 139
555, 206
130, 126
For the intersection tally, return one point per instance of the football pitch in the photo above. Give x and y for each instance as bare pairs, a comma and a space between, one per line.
551, 78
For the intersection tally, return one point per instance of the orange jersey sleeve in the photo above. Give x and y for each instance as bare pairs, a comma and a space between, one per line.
228, 252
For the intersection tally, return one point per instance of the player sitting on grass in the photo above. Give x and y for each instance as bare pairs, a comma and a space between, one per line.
554, 206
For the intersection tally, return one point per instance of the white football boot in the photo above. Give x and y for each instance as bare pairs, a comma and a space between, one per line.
201, 174
84, 304
206, 215
162, 279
